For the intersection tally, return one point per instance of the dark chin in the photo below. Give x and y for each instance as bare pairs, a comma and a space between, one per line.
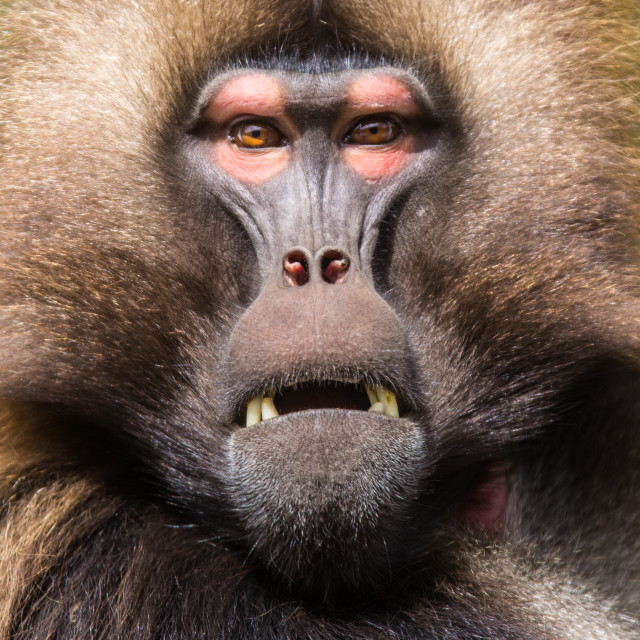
328, 513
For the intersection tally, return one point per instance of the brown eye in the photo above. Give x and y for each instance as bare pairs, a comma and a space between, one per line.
255, 135
373, 131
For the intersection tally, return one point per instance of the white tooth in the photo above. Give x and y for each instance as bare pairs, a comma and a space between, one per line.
388, 399
254, 411
269, 409
377, 407
371, 392
385, 397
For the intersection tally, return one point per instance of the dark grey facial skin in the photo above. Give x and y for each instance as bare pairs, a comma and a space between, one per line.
318, 201
289, 477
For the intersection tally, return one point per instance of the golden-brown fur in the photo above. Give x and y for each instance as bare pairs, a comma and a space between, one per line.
113, 311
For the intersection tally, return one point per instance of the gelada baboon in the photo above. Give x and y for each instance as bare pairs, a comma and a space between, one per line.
320, 320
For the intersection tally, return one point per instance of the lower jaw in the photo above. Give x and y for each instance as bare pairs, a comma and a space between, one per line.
324, 450
321, 492
330, 499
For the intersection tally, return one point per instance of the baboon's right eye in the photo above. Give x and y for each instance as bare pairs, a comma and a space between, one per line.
252, 134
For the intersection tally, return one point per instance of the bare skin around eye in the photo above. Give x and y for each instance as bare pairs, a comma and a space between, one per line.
252, 151
380, 93
256, 95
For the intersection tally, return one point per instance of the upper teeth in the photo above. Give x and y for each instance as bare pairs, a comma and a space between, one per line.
260, 408
382, 401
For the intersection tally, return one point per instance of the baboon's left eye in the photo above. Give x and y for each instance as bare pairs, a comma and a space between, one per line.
373, 131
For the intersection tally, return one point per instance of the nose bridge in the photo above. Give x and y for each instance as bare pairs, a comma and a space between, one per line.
294, 210
315, 205
325, 207
343, 205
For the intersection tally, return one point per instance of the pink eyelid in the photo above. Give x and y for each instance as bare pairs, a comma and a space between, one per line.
255, 95
262, 96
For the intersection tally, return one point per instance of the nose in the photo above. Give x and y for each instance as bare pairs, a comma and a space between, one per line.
332, 265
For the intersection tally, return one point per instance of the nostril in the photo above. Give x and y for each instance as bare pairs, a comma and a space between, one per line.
296, 268
335, 266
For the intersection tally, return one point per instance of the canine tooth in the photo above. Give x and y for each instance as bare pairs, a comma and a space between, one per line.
377, 407
385, 397
371, 392
254, 411
388, 399
269, 409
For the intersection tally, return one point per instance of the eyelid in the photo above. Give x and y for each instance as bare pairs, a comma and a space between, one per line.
251, 117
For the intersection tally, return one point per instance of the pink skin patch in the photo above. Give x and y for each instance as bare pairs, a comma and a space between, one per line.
260, 96
382, 94
487, 506
256, 96
374, 163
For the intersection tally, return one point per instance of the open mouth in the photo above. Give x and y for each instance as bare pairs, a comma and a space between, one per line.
332, 394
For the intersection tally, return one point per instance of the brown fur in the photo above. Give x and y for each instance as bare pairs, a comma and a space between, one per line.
110, 303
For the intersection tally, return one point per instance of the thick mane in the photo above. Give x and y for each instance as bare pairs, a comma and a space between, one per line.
509, 267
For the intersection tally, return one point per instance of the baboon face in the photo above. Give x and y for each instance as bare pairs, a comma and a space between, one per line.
323, 435
330, 301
